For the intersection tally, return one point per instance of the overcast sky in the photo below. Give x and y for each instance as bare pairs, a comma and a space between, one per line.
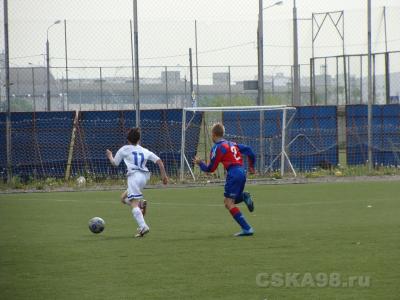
156, 10
98, 31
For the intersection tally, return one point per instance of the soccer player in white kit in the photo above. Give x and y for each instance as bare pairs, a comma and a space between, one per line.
135, 158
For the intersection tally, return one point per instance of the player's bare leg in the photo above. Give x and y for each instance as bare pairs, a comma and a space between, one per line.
142, 203
138, 216
239, 218
143, 206
124, 197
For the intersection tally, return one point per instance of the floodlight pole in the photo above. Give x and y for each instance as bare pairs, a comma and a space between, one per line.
136, 44
296, 69
192, 95
260, 39
370, 163
48, 95
66, 61
387, 57
7, 90
260, 96
197, 62
132, 64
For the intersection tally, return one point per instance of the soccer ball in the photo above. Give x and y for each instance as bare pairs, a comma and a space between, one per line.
81, 181
96, 225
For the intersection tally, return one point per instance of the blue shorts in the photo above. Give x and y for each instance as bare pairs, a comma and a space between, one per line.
235, 182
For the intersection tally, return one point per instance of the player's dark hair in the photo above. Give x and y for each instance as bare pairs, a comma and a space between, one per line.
218, 130
134, 135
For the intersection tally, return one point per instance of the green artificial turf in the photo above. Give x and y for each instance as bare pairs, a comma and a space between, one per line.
47, 251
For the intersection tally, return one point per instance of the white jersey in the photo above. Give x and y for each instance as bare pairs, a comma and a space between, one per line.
135, 158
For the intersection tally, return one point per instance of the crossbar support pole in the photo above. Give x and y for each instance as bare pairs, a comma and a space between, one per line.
283, 151
183, 138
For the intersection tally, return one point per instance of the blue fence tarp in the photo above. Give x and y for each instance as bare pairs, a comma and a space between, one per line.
311, 141
39, 143
313, 138
98, 131
385, 134
3, 146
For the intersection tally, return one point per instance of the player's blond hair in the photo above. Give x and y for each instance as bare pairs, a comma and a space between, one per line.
218, 130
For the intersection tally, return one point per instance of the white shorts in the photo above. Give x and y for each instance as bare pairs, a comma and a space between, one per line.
136, 183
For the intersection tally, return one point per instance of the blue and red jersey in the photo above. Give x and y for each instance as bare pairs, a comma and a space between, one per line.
229, 154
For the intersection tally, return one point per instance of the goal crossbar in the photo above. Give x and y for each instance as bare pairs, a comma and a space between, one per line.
239, 108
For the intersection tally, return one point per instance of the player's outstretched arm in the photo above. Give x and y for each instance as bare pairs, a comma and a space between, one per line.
110, 157
162, 171
212, 166
203, 166
115, 161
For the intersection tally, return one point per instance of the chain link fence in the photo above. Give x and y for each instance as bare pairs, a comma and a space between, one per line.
91, 72
91, 60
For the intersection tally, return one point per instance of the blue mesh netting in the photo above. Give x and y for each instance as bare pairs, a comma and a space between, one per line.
40, 143
244, 128
3, 146
311, 135
385, 134
97, 131
313, 138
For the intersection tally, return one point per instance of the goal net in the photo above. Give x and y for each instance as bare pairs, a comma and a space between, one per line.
263, 128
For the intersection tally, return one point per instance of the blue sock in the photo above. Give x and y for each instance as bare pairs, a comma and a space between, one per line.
239, 218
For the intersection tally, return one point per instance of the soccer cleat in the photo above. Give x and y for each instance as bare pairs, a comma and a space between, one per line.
143, 206
249, 202
245, 232
142, 232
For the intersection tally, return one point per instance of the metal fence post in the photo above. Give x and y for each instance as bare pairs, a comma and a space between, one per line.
312, 82
80, 93
345, 80
326, 81
230, 87
191, 78
185, 95
33, 89
361, 79
7, 88
373, 80
337, 80
387, 77
101, 88
166, 86
349, 78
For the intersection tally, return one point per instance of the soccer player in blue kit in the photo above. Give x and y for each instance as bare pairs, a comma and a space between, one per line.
230, 155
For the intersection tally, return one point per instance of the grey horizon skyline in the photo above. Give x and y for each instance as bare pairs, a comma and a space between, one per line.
98, 31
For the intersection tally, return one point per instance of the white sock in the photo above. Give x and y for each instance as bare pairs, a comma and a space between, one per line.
138, 216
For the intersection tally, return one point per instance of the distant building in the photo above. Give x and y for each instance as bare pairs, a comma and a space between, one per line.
173, 77
280, 79
22, 81
221, 78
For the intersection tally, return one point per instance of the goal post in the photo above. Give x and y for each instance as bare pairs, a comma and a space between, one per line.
264, 128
